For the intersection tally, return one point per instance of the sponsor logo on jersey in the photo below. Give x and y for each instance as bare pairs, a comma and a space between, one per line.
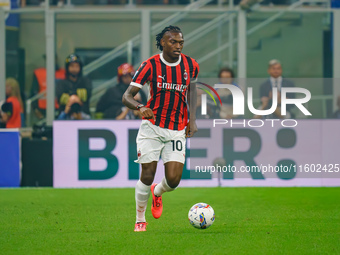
171, 86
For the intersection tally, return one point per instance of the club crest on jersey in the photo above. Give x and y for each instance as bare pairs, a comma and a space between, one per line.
185, 75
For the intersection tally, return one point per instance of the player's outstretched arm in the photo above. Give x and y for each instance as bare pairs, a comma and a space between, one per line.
130, 102
192, 100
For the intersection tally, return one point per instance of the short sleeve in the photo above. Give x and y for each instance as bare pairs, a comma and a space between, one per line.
195, 71
142, 75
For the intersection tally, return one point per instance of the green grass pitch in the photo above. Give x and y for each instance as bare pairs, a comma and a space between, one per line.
101, 221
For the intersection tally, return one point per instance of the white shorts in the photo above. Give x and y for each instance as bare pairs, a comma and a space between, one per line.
154, 142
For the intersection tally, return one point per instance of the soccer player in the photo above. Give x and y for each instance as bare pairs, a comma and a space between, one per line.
172, 76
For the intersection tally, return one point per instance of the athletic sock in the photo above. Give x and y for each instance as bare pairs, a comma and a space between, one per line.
162, 187
142, 193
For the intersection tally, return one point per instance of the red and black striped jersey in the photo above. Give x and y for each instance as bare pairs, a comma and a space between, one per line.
168, 87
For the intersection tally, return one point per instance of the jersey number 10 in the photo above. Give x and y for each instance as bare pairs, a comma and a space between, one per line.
177, 145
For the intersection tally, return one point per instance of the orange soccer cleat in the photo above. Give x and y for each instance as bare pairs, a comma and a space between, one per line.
157, 205
140, 226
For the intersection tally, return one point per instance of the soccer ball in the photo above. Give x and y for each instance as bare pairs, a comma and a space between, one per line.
201, 215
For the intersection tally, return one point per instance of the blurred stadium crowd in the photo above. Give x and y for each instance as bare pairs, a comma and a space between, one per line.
73, 94
74, 90
61, 3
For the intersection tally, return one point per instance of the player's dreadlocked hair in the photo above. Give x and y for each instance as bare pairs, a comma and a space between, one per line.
161, 34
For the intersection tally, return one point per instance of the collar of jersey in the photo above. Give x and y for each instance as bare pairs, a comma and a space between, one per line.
170, 64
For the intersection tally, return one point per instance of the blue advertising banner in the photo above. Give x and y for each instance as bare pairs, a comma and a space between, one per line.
9, 158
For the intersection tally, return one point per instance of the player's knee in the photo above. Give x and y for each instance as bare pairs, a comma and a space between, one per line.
148, 173
173, 181
147, 176
147, 179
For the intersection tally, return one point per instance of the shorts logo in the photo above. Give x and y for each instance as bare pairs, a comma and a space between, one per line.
185, 75
139, 153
